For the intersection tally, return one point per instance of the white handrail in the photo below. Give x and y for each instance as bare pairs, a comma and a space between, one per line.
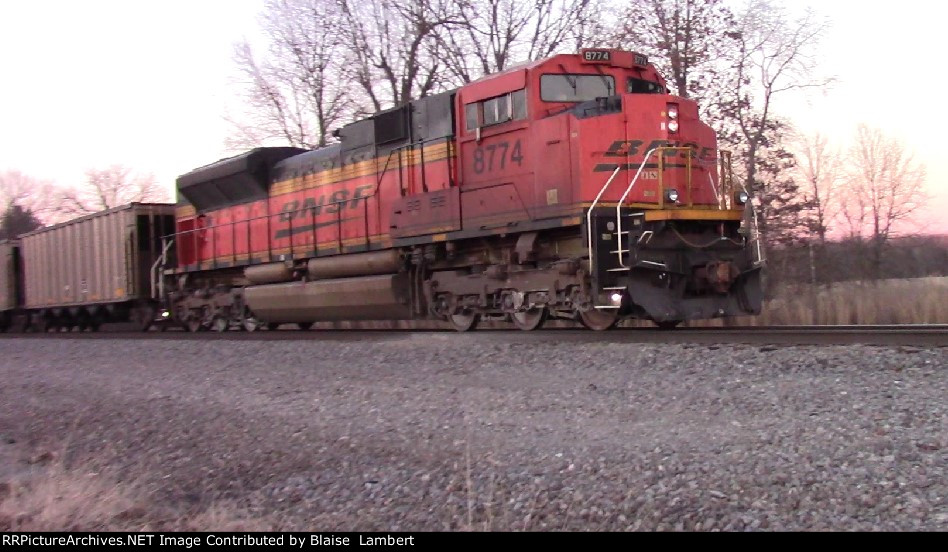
589, 238
156, 279
622, 200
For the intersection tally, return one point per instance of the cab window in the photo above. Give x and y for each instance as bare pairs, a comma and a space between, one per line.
642, 86
576, 88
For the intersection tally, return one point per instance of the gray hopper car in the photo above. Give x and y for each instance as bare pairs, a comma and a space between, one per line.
87, 271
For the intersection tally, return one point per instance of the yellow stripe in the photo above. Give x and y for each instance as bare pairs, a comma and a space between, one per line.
695, 214
363, 168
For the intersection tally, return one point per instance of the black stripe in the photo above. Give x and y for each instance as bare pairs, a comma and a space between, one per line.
609, 167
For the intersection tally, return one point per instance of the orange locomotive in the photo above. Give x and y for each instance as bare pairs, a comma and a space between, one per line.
574, 187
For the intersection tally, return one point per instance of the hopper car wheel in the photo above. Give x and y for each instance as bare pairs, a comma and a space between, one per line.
465, 321
667, 324
530, 320
273, 326
219, 324
303, 326
599, 320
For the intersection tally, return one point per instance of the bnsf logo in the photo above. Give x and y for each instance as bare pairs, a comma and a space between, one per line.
328, 204
629, 148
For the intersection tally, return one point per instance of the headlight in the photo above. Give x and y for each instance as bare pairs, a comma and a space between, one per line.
672, 112
671, 195
616, 298
741, 197
672, 126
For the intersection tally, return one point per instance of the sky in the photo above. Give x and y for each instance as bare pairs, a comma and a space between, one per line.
148, 84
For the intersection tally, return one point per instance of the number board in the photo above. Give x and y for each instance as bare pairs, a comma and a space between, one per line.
597, 56
641, 60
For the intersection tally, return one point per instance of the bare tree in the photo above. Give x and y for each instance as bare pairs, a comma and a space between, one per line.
771, 54
298, 93
395, 55
885, 188
492, 35
768, 54
31, 194
108, 188
819, 166
684, 38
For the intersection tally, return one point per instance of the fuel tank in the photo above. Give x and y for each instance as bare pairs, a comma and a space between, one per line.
379, 297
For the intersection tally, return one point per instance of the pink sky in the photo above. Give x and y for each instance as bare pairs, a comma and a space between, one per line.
89, 84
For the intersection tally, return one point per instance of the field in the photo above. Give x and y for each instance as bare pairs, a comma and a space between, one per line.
913, 301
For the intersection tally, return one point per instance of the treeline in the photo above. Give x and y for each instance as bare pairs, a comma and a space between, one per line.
853, 259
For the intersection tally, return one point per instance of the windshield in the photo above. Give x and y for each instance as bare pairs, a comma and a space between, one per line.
576, 88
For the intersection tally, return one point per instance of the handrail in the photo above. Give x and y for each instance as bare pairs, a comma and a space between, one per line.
628, 190
156, 279
589, 241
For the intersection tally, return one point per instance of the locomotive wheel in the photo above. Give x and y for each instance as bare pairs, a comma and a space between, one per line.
304, 326
667, 324
219, 324
530, 320
599, 320
465, 321
273, 326
195, 325
249, 322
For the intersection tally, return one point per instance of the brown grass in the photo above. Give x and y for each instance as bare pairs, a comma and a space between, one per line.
58, 498
914, 301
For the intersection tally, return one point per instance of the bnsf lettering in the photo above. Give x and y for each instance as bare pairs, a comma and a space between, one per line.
330, 204
630, 148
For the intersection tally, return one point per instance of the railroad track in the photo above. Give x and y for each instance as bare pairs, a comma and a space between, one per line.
920, 335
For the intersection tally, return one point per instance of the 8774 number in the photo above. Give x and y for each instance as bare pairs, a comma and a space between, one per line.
497, 156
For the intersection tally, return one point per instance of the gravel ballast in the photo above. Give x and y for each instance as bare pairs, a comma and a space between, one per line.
437, 431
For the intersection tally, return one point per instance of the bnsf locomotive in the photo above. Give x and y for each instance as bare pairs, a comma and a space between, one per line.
575, 188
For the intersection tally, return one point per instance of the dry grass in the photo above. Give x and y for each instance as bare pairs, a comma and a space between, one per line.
59, 498
914, 301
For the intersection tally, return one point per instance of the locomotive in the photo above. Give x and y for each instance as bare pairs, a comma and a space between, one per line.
574, 187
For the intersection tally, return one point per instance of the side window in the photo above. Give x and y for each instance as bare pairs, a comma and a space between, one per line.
497, 110
470, 116
518, 100
500, 109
